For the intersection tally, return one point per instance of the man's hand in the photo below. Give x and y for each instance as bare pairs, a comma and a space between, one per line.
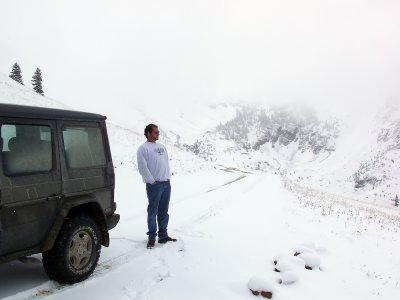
155, 182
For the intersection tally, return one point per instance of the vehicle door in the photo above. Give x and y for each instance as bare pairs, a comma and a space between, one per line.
86, 160
30, 180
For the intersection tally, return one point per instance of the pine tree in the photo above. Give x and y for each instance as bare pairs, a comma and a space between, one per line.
37, 82
16, 73
396, 201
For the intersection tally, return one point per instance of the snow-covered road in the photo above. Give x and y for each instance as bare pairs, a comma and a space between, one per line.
230, 226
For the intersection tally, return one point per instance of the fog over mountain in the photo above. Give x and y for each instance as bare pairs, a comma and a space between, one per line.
334, 55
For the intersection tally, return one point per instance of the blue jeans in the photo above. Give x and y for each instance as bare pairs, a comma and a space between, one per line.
157, 211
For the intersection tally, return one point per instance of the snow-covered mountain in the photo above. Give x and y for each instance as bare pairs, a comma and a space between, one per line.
354, 156
381, 166
365, 163
271, 136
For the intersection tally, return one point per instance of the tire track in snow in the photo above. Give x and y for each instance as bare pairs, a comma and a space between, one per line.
219, 206
104, 267
227, 183
196, 195
138, 251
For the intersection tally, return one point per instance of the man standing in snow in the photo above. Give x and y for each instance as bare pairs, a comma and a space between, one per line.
154, 167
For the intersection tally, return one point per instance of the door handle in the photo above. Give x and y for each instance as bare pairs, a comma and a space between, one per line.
54, 197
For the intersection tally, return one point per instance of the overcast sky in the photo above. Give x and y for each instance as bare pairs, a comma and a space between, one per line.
100, 54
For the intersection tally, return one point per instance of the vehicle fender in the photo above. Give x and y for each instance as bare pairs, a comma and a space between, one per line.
73, 206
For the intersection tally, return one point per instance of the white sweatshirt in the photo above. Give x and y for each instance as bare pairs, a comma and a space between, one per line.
153, 162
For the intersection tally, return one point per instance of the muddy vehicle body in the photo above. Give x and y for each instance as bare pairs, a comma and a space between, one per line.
56, 189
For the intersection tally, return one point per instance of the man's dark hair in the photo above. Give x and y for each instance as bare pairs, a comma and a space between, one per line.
149, 129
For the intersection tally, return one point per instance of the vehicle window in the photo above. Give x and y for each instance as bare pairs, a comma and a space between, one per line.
84, 147
26, 149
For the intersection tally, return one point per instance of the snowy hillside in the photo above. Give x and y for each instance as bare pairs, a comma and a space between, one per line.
14, 93
365, 164
268, 137
124, 142
356, 155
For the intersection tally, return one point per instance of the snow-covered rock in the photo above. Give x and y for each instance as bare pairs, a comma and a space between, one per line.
283, 265
302, 249
261, 286
289, 263
289, 277
311, 260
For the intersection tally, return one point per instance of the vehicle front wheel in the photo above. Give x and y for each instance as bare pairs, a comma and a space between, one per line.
76, 251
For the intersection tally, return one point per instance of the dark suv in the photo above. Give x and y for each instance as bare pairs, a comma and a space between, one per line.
56, 189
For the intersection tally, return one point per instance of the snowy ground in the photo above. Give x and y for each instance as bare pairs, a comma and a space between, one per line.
232, 226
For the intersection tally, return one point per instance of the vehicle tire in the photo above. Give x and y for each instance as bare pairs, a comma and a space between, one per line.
76, 251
